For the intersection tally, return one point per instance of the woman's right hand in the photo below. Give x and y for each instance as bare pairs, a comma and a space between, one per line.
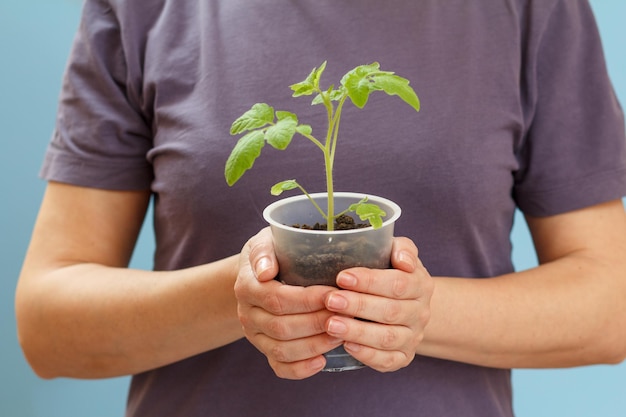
286, 323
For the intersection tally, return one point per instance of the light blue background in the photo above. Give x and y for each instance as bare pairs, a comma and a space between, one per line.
35, 37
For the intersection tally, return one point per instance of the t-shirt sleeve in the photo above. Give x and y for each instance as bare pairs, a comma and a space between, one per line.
101, 136
573, 153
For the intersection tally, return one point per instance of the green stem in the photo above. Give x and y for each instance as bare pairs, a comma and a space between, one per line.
313, 201
329, 183
315, 141
330, 192
335, 133
328, 162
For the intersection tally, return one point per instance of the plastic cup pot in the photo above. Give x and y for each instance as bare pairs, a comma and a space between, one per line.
315, 257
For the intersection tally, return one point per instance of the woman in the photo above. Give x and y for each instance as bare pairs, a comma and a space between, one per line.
518, 112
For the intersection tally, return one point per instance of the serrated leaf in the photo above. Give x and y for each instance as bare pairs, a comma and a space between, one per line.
243, 155
358, 91
280, 134
310, 84
396, 85
369, 212
258, 116
358, 85
277, 189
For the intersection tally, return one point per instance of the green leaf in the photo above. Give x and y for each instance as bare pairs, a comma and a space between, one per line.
280, 134
258, 116
281, 114
364, 79
243, 155
369, 212
310, 84
304, 129
337, 95
277, 189
334, 95
302, 89
396, 85
358, 85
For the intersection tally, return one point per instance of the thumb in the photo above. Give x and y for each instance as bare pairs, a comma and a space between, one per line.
261, 256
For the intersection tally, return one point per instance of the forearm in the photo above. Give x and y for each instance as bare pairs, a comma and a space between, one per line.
568, 312
91, 321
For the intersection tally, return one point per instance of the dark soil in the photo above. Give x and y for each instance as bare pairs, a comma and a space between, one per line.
343, 222
321, 266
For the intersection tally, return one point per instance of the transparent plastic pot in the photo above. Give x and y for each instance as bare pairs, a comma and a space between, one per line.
315, 257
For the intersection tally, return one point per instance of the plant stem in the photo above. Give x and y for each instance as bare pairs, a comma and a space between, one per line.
328, 161
335, 133
313, 201
329, 191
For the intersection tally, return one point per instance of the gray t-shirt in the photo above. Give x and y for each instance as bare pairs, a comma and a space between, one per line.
517, 112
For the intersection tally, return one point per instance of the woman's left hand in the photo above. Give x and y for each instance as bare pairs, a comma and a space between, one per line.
391, 309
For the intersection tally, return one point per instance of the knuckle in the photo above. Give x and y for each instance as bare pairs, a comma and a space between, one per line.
389, 339
244, 319
271, 302
361, 307
392, 313
319, 324
395, 361
389, 363
366, 279
400, 286
277, 353
277, 329
423, 316
240, 290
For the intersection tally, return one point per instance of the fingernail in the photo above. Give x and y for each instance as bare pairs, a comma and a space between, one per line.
336, 327
262, 265
346, 280
336, 302
408, 259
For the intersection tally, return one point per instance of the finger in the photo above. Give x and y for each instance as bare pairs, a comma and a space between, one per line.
390, 283
370, 337
289, 327
382, 347
382, 361
375, 308
288, 352
280, 299
298, 370
375, 335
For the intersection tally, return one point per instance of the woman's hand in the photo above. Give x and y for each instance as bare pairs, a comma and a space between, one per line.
286, 323
294, 326
394, 305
